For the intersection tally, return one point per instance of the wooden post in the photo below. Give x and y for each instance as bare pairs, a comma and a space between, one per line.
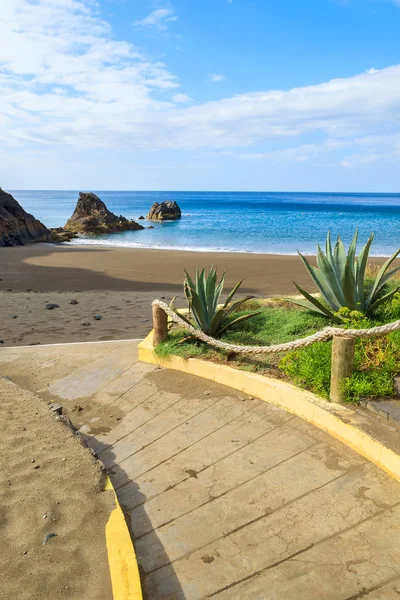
342, 365
160, 325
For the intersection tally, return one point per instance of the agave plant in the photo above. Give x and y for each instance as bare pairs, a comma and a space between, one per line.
204, 295
340, 278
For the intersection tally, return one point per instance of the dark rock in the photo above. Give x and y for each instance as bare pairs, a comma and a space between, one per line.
85, 323
91, 215
1, 341
98, 317
17, 227
141, 218
150, 227
51, 306
73, 301
166, 211
59, 234
14, 316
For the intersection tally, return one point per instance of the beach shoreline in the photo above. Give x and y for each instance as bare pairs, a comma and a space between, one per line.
118, 285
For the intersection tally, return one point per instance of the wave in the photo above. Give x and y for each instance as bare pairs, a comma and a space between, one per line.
209, 249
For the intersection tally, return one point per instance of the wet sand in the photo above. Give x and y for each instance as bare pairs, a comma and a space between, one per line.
118, 285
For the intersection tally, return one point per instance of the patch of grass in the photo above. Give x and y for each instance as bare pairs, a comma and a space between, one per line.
174, 345
310, 367
372, 384
377, 360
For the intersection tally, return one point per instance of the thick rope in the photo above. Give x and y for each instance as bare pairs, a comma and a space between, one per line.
321, 336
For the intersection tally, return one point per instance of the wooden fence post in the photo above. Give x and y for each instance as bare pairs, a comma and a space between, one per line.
160, 325
342, 365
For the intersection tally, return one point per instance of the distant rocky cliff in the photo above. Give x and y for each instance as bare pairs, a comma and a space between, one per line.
17, 227
164, 211
91, 215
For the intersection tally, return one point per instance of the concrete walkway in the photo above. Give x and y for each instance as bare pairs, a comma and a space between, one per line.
228, 497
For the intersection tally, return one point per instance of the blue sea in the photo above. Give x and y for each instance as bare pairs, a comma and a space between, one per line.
262, 222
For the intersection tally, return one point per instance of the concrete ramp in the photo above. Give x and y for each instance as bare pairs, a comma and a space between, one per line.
227, 496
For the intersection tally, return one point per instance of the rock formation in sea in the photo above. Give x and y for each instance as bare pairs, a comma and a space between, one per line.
60, 234
17, 227
164, 211
91, 215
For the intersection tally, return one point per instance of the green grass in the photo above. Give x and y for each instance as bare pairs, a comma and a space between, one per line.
377, 360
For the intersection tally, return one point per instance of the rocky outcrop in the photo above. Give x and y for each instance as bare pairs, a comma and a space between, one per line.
17, 227
91, 215
164, 211
59, 234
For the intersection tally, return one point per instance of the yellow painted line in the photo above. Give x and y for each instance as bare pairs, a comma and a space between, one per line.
287, 396
122, 561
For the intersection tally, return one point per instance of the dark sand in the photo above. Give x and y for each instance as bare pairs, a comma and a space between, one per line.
117, 284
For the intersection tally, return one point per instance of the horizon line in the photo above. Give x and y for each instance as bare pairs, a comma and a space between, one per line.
205, 191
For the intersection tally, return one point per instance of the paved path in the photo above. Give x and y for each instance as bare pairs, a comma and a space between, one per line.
228, 497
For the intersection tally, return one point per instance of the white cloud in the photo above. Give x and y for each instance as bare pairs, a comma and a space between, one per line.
158, 18
216, 77
360, 160
181, 98
65, 82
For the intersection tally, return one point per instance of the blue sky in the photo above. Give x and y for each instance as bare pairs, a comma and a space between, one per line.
209, 95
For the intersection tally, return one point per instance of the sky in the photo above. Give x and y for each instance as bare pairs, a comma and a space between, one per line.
246, 95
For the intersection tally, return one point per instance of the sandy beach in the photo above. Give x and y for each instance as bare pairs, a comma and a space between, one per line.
53, 509
118, 285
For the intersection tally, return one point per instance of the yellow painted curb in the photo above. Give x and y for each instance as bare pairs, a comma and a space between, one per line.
287, 396
124, 570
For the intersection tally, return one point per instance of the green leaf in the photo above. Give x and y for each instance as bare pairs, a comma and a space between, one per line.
232, 293
235, 305
340, 259
189, 281
203, 296
215, 325
320, 281
314, 302
181, 316
307, 305
332, 291
380, 279
199, 313
351, 254
349, 286
382, 300
210, 292
361, 267
329, 253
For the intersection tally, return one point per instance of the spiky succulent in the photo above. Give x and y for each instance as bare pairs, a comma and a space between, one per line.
204, 299
340, 278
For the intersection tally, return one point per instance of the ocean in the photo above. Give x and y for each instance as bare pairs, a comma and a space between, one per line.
262, 222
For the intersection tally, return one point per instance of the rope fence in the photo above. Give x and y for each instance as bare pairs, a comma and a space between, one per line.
321, 336
342, 349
